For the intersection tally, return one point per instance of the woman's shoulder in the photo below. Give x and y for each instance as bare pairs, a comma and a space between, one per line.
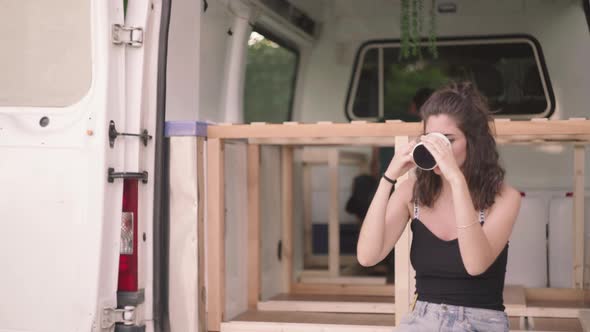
509, 194
507, 190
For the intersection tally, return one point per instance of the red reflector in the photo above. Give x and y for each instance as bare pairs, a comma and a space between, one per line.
128, 262
569, 194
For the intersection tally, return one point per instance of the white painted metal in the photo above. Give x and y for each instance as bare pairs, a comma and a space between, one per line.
60, 219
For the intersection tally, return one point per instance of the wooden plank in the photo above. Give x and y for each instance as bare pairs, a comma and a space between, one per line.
287, 216
201, 234
404, 281
333, 217
554, 324
349, 280
342, 289
340, 319
502, 128
332, 298
515, 300
328, 306
578, 216
215, 235
253, 225
307, 213
298, 327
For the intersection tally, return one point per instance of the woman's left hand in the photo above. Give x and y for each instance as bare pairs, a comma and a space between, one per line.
442, 152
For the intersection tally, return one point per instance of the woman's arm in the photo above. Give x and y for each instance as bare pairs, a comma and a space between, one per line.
386, 216
480, 246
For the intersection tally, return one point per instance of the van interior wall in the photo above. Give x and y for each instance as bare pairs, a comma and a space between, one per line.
560, 27
183, 65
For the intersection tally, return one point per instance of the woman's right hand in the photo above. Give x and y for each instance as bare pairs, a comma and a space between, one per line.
402, 161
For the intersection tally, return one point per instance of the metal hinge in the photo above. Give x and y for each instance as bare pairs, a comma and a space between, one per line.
111, 316
132, 36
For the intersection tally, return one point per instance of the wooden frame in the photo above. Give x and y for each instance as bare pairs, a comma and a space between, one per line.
333, 158
526, 132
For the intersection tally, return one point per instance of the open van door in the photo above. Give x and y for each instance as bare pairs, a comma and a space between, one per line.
61, 84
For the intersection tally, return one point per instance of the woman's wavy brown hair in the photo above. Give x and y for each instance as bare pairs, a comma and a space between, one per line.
463, 103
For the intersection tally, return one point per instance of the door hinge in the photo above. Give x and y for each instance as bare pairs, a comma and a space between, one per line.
126, 35
111, 316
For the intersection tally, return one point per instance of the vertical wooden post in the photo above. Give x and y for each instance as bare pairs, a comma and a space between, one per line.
578, 215
253, 225
307, 212
201, 233
287, 216
334, 221
215, 234
405, 283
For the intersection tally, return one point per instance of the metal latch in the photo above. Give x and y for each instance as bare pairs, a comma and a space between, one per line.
113, 133
132, 36
111, 316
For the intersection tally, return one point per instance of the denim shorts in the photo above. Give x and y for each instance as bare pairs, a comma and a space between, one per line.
450, 318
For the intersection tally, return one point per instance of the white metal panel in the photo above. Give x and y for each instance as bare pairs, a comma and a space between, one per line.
527, 252
60, 219
561, 240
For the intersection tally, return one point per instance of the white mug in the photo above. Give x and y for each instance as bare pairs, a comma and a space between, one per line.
422, 157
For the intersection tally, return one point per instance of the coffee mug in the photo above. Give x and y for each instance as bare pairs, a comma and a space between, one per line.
422, 157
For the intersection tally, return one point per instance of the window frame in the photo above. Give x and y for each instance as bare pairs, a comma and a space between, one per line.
380, 44
291, 46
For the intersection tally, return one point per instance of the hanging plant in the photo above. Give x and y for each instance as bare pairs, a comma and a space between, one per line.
412, 26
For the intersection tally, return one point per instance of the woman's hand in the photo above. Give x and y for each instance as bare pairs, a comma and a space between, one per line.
442, 152
401, 162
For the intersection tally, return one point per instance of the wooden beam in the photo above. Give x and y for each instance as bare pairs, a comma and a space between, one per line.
342, 289
307, 213
573, 129
253, 225
215, 234
201, 234
313, 321
287, 216
578, 216
328, 306
404, 280
349, 280
334, 218
515, 300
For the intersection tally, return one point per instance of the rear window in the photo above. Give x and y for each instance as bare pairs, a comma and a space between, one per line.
45, 59
509, 71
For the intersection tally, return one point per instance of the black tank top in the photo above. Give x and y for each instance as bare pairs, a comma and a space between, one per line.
441, 276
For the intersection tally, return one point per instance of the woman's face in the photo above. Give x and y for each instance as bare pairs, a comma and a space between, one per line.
447, 126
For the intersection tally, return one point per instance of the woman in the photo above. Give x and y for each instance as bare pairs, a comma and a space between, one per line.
462, 214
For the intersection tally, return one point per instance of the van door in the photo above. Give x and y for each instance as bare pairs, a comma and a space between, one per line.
61, 84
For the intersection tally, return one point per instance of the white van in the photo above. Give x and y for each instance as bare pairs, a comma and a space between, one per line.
86, 87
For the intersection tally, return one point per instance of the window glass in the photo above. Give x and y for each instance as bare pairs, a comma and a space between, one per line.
270, 80
45, 59
506, 72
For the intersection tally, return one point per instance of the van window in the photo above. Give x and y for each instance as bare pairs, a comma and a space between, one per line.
45, 58
270, 79
509, 71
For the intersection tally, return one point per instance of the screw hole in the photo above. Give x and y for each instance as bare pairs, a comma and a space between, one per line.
44, 122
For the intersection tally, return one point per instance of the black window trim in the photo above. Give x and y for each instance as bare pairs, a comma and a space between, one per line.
291, 46
491, 39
